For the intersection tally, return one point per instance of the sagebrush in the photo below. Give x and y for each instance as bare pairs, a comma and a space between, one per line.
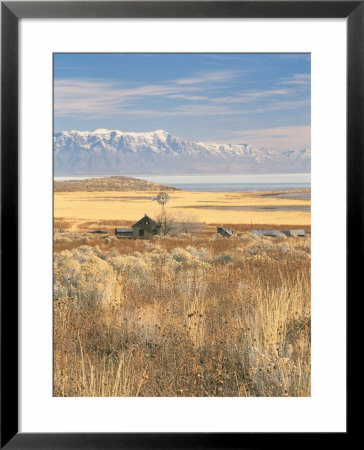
189, 316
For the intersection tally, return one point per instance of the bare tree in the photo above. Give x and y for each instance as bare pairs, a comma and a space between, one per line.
188, 224
171, 224
167, 222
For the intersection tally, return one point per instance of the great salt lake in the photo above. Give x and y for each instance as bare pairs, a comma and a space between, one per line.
222, 182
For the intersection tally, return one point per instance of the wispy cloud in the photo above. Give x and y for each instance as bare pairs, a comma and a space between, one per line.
251, 96
188, 97
106, 99
79, 96
206, 110
208, 77
280, 138
299, 79
283, 105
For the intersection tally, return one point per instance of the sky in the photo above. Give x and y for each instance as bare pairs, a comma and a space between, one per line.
258, 99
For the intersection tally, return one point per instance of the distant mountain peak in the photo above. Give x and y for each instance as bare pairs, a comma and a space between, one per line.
103, 131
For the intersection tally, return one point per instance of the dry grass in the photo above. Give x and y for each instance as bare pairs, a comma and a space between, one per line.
96, 207
69, 240
188, 316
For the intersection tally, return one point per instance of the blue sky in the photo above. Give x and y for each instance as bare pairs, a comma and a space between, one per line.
260, 99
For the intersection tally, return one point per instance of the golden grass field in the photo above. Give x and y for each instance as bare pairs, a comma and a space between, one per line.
130, 206
189, 315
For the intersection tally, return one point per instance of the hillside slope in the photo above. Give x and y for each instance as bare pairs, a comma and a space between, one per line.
115, 183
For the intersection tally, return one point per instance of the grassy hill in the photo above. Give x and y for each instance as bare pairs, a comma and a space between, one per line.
114, 183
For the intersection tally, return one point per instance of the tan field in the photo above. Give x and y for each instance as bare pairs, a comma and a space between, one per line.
188, 314
206, 207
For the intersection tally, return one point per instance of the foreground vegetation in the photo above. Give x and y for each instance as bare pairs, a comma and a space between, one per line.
181, 316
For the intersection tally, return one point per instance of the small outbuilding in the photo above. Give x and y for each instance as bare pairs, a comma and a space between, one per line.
124, 232
275, 233
225, 232
300, 233
146, 227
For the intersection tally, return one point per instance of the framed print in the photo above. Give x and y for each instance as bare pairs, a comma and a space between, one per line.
171, 288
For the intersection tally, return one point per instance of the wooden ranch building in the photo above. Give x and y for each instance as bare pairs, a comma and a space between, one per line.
145, 228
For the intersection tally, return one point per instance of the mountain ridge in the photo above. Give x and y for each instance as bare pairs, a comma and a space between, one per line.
113, 152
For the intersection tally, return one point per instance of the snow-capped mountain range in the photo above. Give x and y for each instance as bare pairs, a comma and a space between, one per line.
114, 152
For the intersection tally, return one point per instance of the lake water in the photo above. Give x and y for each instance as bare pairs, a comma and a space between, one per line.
223, 182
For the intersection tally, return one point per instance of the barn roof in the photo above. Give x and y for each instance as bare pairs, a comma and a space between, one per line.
143, 219
99, 231
124, 230
276, 232
225, 231
298, 232
266, 232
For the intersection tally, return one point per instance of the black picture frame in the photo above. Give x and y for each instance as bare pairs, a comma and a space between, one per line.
11, 12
